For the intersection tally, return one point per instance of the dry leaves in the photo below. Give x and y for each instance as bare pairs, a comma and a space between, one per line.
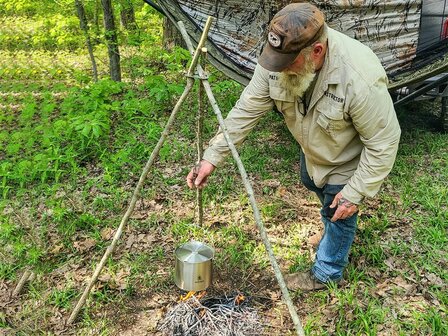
56, 249
84, 245
433, 280
145, 207
139, 241
393, 286
145, 323
117, 281
107, 233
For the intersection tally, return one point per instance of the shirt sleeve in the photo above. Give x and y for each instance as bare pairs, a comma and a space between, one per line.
374, 118
254, 102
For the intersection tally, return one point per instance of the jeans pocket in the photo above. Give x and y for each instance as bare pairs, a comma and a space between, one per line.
330, 191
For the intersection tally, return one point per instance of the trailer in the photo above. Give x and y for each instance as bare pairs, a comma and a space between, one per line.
408, 36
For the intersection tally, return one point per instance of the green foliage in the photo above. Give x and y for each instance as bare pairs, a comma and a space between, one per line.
46, 32
22, 251
176, 59
89, 111
56, 140
302, 263
62, 298
19, 7
162, 91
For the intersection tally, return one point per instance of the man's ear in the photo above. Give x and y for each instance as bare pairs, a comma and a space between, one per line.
318, 49
318, 54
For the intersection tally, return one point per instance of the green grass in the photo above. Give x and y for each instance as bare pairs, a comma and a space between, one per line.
62, 298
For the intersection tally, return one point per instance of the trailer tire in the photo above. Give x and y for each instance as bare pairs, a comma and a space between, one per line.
444, 115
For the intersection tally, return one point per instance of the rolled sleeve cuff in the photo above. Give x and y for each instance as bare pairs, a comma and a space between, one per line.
214, 157
349, 193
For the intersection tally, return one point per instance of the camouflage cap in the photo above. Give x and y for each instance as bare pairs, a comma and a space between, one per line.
293, 28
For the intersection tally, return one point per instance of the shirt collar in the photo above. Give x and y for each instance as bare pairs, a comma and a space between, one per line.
331, 63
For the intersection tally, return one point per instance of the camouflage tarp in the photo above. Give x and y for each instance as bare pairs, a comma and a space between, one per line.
405, 35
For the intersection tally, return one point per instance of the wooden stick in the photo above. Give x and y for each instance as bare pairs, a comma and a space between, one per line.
258, 220
253, 202
202, 106
124, 220
197, 53
25, 276
155, 152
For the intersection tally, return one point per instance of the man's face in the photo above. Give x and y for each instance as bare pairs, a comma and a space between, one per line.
299, 75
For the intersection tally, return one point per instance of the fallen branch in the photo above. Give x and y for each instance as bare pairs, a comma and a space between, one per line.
27, 275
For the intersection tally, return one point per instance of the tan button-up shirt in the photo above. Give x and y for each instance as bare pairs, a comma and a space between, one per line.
349, 131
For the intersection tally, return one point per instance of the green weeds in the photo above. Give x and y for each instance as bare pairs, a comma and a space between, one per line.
302, 263
62, 298
20, 248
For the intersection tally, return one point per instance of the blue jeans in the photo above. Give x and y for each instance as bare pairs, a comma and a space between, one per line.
333, 249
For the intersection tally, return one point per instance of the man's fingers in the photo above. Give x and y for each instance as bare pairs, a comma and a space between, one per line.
191, 179
190, 183
202, 185
335, 202
342, 213
199, 179
196, 180
337, 215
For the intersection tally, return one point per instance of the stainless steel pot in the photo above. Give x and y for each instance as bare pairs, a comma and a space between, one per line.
193, 266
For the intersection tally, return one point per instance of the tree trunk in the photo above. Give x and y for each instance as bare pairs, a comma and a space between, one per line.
96, 15
171, 36
112, 40
85, 28
127, 15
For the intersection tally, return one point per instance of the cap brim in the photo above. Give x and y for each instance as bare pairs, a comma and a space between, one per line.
273, 60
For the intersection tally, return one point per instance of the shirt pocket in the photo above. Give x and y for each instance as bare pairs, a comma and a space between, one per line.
330, 117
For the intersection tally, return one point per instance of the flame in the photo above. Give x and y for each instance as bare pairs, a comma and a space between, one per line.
239, 299
190, 294
187, 296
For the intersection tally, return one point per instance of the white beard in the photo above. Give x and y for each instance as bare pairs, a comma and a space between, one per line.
298, 82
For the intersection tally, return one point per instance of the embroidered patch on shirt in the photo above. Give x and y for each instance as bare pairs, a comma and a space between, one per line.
334, 97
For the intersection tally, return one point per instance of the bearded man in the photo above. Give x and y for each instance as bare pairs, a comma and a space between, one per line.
332, 92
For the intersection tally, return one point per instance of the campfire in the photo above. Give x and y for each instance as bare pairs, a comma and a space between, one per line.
199, 315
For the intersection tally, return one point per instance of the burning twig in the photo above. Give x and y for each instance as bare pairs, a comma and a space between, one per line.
212, 317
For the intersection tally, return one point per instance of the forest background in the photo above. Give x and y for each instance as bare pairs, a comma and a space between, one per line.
75, 135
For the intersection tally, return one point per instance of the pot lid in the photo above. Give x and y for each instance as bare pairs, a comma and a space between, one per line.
194, 252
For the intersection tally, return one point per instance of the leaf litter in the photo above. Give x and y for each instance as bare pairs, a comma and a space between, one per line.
402, 294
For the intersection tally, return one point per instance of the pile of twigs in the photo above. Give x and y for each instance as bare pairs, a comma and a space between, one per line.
228, 316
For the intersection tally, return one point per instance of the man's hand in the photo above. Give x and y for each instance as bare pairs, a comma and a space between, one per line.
345, 208
197, 178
